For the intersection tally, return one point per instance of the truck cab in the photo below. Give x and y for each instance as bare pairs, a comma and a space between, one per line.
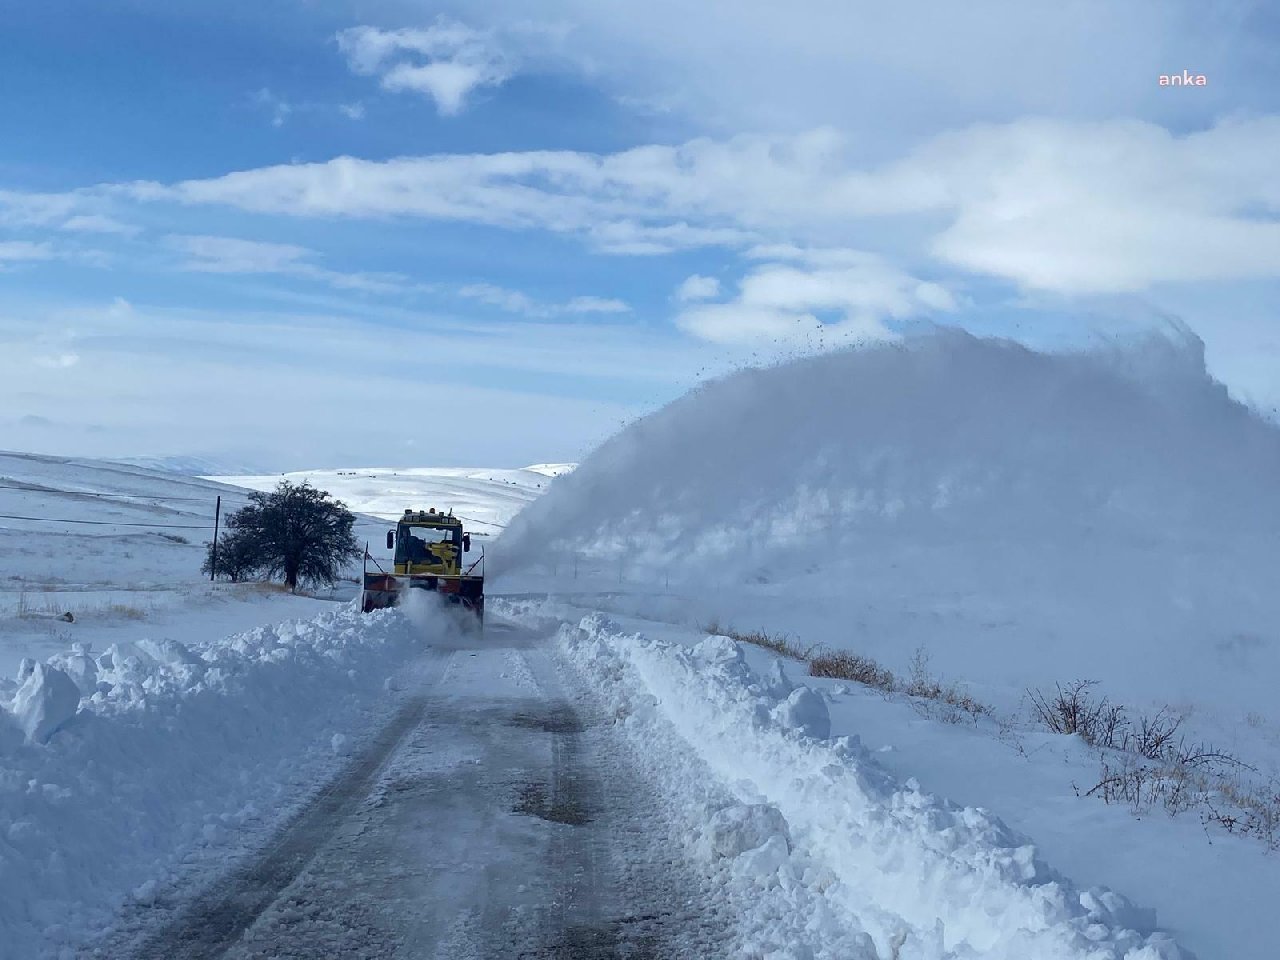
428, 542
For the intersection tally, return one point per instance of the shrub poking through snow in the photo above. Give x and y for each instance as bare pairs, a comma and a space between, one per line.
938, 700
1074, 710
945, 701
845, 665
782, 644
1146, 763
1209, 782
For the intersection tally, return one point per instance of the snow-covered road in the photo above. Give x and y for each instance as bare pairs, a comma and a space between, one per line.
494, 816
563, 785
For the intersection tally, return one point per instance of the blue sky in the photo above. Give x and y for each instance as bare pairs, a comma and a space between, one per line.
268, 233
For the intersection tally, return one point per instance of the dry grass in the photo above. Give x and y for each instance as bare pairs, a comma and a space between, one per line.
47, 607
1213, 785
938, 700
782, 644
843, 665
41, 608
263, 586
124, 611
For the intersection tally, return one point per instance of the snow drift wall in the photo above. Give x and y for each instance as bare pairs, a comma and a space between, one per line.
118, 771
938, 438
920, 877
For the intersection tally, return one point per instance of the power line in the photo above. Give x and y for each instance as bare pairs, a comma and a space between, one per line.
500, 526
393, 520
120, 496
108, 523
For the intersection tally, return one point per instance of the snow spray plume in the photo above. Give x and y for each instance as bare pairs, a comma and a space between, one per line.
940, 437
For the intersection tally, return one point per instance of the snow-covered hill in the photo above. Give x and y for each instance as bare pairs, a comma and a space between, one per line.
189, 466
117, 546
487, 497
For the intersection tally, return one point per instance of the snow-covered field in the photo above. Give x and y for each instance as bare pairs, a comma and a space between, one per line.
119, 548
486, 497
119, 545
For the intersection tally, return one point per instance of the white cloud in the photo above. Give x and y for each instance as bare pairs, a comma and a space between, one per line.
891, 73
212, 254
58, 361
97, 223
24, 251
838, 296
595, 305
144, 368
698, 287
277, 107
514, 301
35, 209
446, 62
1115, 207
1050, 205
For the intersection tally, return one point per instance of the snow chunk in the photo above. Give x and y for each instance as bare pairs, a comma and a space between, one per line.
778, 685
11, 734
45, 702
721, 651
742, 827
80, 666
805, 711
169, 652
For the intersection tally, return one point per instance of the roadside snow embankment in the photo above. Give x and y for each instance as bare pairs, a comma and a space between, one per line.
921, 877
118, 769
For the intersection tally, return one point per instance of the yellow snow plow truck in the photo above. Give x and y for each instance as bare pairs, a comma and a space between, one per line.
429, 548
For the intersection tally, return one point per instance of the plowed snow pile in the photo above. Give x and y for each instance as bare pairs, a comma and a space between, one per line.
120, 770
871, 867
1026, 517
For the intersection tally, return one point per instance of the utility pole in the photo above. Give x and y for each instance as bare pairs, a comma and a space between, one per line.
213, 556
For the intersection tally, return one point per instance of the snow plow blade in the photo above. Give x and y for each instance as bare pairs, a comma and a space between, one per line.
382, 590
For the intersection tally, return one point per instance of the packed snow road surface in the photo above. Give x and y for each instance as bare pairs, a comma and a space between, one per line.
492, 817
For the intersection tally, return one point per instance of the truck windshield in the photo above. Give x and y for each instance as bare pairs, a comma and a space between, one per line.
416, 543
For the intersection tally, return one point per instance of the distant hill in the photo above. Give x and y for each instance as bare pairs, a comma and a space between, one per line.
190, 466
488, 498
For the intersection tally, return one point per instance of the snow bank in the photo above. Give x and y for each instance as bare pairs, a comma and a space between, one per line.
116, 769
921, 877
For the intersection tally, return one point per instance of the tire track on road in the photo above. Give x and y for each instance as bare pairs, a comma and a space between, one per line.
218, 918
